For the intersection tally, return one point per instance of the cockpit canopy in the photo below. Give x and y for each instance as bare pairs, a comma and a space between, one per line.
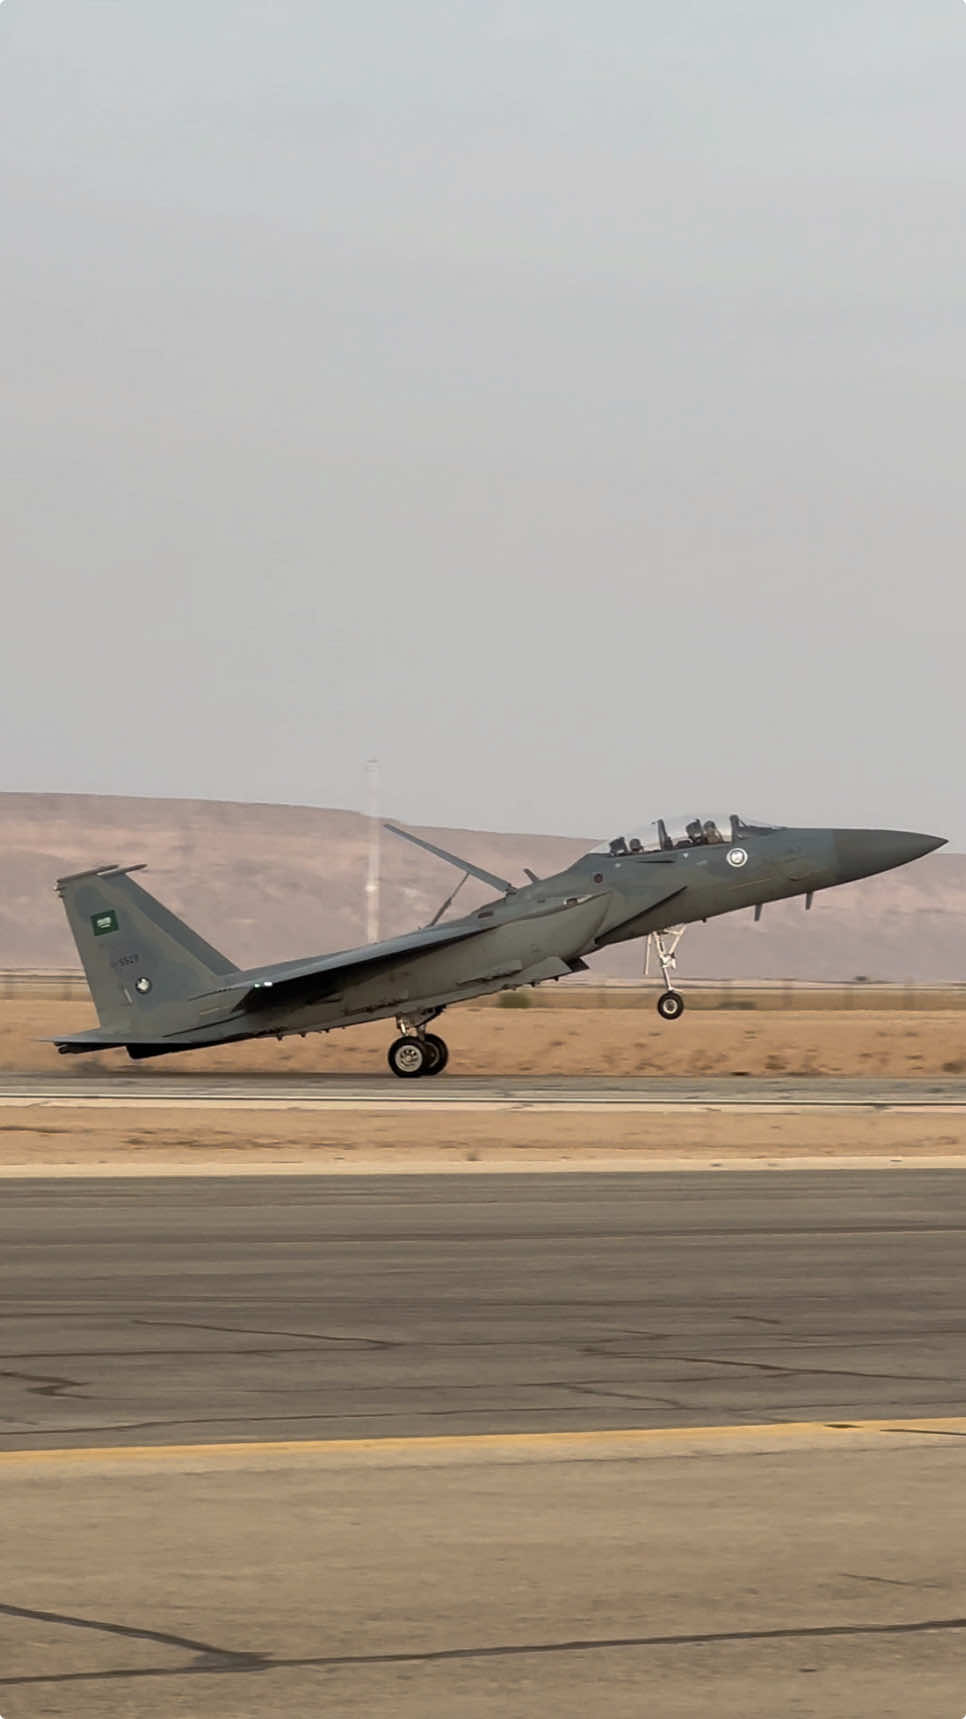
664, 835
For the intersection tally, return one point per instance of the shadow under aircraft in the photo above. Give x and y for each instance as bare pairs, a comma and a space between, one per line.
158, 987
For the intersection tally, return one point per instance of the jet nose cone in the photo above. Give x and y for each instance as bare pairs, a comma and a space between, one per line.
862, 852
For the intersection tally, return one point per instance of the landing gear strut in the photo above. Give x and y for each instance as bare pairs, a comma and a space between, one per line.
417, 1052
670, 1004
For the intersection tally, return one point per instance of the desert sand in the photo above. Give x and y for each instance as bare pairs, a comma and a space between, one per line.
498, 1041
38, 1140
512, 1042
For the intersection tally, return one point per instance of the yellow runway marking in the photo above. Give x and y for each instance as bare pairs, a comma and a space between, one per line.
566, 1444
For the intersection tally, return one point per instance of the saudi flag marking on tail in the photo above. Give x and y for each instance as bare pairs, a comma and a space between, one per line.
104, 922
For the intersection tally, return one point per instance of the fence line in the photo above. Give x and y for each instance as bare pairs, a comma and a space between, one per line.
69, 985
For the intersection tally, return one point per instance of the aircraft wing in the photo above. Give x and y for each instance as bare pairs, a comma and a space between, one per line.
303, 981
288, 982
500, 883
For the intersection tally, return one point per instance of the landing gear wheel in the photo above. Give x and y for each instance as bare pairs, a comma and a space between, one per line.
438, 1053
409, 1057
670, 1005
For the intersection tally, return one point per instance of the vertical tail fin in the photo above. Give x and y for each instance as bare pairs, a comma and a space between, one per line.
139, 958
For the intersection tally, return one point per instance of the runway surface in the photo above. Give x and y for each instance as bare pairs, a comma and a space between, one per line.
384, 1092
777, 1530
145, 1311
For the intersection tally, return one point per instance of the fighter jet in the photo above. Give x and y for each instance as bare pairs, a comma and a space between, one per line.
158, 987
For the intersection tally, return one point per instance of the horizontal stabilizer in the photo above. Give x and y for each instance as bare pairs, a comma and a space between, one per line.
92, 1041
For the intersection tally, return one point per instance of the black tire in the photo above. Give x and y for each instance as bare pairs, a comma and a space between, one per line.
439, 1053
670, 1005
408, 1057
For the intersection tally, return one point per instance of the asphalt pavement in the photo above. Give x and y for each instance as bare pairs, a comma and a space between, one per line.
312, 1307
527, 1446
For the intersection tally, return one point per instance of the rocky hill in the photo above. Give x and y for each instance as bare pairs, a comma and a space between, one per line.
267, 882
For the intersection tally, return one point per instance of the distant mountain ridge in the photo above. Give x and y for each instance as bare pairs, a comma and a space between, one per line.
268, 882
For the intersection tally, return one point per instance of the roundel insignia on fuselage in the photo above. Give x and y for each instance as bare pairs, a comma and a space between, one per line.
737, 856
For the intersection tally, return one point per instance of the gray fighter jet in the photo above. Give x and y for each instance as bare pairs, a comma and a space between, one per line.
159, 987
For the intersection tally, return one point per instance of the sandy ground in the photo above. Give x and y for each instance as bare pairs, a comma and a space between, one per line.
38, 1140
552, 1041
511, 1042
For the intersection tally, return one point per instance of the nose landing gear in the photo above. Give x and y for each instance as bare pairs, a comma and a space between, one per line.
670, 1004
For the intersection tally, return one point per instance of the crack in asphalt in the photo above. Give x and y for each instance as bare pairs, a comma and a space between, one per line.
135, 1632
365, 1417
44, 1384
365, 1343
791, 1370
641, 1397
889, 1581
931, 1432
368, 1422
215, 1661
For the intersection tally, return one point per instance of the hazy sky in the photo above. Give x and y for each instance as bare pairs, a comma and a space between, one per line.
565, 402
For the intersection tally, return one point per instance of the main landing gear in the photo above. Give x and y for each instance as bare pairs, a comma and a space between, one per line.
417, 1052
670, 1004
